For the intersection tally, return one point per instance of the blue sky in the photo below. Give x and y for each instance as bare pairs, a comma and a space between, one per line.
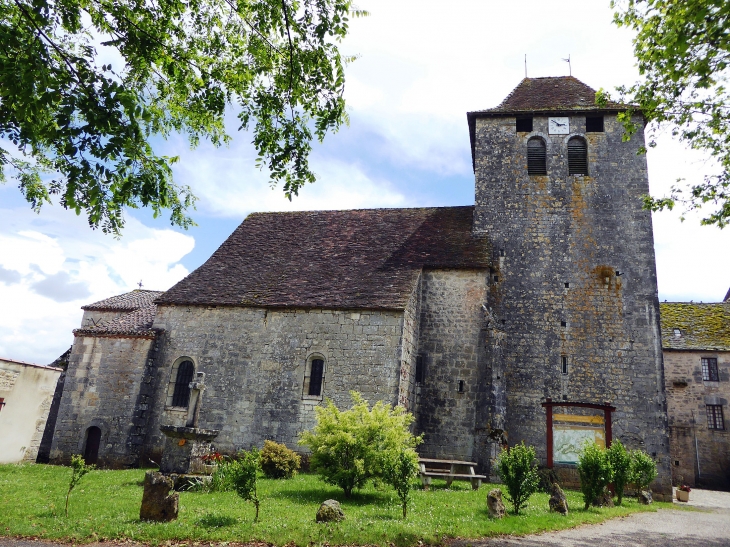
422, 65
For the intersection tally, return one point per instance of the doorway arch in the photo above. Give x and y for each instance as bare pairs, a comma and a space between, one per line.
91, 448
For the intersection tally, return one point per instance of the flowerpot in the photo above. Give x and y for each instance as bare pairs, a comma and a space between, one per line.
682, 495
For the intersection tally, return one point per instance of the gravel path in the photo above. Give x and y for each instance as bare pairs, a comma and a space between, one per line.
707, 526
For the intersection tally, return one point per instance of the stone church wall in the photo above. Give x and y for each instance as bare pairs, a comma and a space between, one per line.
101, 389
452, 351
576, 279
255, 361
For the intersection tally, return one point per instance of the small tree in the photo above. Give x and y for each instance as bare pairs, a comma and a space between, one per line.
78, 470
595, 472
620, 461
350, 447
517, 469
643, 469
278, 461
244, 476
399, 470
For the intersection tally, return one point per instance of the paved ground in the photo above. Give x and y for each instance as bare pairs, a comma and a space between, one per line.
707, 526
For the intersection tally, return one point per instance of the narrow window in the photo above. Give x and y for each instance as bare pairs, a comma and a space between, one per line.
709, 369
536, 157
419, 370
564, 361
577, 157
594, 124
677, 333
524, 125
496, 279
460, 387
567, 285
714, 417
563, 324
181, 395
315, 377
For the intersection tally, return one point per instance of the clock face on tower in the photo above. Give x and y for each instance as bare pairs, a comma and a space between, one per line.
558, 126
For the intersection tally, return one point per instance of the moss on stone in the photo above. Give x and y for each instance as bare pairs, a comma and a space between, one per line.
701, 326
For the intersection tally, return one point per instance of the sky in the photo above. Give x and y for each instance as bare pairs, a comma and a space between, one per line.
421, 66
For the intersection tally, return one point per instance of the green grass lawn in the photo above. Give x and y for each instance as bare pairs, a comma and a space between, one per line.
106, 504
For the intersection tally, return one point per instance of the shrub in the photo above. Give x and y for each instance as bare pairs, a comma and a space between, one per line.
221, 478
517, 469
399, 470
78, 470
244, 477
643, 469
595, 472
278, 461
349, 447
620, 461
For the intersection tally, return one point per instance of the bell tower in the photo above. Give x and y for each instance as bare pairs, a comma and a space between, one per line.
574, 283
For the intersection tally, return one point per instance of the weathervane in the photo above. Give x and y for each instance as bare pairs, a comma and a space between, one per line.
140, 284
570, 69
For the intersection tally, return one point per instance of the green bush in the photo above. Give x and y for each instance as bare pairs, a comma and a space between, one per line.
278, 461
620, 461
221, 478
643, 469
244, 476
517, 469
399, 470
594, 468
350, 447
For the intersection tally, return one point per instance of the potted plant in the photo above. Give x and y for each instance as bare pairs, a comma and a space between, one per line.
211, 461
683, 492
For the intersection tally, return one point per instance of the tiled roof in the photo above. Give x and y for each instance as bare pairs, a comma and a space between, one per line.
366, 259
135, 323
132, 300
553, 93
727, 296
701, 326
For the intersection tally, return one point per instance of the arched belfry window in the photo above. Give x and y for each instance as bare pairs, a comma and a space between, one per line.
536, 157
181, 391
577, 156
314, 377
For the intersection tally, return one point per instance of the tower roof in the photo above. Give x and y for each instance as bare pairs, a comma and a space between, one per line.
550, 95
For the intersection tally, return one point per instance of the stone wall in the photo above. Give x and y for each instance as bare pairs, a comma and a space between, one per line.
452, 351
101, 389
255, 360
687, 395
576, 278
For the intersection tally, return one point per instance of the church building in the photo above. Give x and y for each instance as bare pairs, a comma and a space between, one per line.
530, 316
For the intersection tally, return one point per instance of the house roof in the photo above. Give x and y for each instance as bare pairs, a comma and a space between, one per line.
551, 95
727, 296
132, 300
701, 326
359, 259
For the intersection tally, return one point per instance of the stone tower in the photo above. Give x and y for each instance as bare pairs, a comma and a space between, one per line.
573, 290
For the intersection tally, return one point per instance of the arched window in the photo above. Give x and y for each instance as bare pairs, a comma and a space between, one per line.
536, 157
314, 377
181, 394
577, 156
91, 449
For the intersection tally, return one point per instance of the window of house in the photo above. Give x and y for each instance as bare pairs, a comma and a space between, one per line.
577, 156
536, 157
709, 369
594, 124
677, 333
564, 364
314, 377
524, 125
181, 391
714, 417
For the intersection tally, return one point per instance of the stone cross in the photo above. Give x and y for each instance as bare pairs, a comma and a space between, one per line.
196, 396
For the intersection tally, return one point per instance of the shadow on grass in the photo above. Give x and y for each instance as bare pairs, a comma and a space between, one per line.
305, 496
212, 520
132, 483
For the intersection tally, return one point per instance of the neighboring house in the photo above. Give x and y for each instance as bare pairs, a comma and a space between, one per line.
26, 393
530, 316
696, 342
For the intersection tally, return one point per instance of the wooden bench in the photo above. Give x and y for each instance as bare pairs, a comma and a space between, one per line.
450, 470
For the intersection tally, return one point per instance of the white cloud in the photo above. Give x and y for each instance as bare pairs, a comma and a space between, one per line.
60, 265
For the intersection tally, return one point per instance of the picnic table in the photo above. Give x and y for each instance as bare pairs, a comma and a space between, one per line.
450, 470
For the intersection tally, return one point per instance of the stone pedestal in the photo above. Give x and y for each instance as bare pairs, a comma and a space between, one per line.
185, 448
